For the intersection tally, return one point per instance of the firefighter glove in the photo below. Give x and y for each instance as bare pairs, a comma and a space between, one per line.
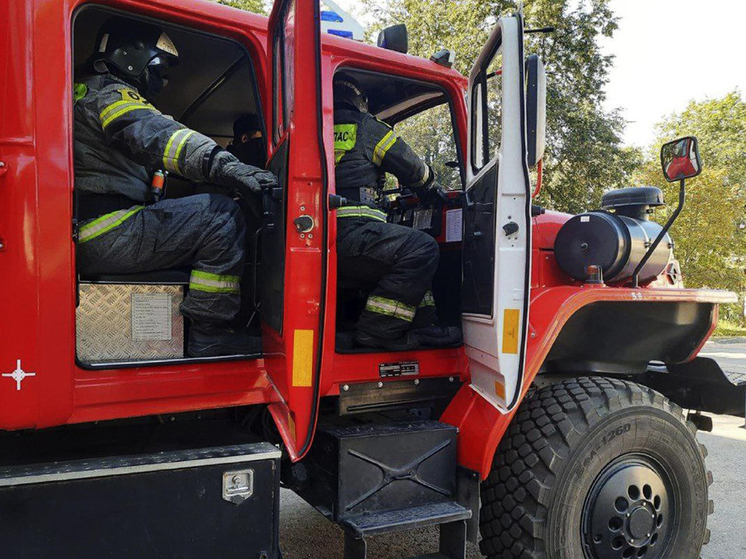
226, 170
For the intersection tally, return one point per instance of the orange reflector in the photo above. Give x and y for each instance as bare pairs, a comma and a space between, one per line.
500, 390
302, 358
511, 320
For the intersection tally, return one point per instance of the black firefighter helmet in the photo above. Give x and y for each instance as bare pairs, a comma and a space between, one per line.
137, 52
348, 94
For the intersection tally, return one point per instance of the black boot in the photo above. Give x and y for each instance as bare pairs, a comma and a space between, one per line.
438, 336
212, 340
406, 343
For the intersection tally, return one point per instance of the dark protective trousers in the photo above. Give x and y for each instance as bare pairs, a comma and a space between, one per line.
400, 262
205, 232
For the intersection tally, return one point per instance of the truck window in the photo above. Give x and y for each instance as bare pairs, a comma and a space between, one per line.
431, 135
283, 62
487, 110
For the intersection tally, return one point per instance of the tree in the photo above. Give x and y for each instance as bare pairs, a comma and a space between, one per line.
256, 6
710, 235
584, 153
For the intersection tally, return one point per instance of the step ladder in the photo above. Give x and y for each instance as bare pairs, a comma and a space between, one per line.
450, 516
374, 479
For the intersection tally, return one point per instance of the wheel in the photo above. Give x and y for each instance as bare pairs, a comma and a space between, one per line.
596, 468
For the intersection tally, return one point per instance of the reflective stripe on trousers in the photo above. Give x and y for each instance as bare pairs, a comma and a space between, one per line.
105, 223
361, 211
214, 283
390, 307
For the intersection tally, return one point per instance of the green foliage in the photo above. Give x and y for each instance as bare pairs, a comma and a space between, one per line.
256, 6
728, 329
584, 155
710, 234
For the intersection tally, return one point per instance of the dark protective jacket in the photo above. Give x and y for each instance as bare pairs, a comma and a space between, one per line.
121, 139
365, 149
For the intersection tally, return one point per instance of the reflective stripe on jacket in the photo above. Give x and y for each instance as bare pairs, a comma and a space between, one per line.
366, 148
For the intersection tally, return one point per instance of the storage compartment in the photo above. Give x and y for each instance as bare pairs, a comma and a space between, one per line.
196, 504
366, 469
129, 322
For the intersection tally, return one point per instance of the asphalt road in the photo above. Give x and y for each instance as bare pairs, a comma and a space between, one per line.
305, 534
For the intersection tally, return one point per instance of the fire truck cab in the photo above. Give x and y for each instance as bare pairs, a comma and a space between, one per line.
547, 404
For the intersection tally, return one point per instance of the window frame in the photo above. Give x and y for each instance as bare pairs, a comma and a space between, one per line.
480, 113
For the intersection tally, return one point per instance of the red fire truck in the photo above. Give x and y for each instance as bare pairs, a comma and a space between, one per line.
556, 429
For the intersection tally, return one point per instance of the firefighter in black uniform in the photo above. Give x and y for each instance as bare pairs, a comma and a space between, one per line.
121, 142
400, 311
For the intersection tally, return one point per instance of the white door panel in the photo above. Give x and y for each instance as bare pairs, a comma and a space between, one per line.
495, 321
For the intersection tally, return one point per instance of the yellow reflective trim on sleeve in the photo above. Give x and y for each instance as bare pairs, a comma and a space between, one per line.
182, 143
303, 358
103, 114
382, 147
175, 145
122, 109
167, 151
511, 320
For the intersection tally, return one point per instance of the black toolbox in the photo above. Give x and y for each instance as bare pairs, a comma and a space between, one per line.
199, 504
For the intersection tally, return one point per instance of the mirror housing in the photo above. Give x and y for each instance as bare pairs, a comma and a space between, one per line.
536, 109
680, 159
394, 38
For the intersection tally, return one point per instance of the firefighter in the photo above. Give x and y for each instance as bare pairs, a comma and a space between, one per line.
400, 311
248, 141
121, 142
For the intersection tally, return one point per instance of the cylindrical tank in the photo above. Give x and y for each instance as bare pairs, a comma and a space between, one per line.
615, 242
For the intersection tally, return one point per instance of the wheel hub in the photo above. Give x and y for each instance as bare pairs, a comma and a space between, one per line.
627, 512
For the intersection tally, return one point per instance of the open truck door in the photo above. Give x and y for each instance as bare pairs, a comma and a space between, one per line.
497, 219
293, 233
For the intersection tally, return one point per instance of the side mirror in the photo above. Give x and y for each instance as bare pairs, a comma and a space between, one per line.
680, 159
394, 38
536, 109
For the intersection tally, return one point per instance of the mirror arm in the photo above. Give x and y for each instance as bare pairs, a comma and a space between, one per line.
661, 235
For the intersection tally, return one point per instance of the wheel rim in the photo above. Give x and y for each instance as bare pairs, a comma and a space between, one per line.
629, 511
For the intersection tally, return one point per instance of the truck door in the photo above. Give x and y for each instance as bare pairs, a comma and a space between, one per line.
293, 235
497, 219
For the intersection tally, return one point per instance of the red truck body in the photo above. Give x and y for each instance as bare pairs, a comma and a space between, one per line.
37, 258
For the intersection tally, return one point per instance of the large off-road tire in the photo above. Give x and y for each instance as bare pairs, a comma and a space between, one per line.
595, 468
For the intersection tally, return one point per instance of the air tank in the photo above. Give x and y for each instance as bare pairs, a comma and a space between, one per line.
615, 238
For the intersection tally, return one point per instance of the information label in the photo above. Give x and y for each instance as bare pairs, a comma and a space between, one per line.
401, 369
151, 317
454, 221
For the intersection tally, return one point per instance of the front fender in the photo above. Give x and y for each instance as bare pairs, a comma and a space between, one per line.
481, 425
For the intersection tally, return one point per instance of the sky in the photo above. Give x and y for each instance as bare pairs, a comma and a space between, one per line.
646, 82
